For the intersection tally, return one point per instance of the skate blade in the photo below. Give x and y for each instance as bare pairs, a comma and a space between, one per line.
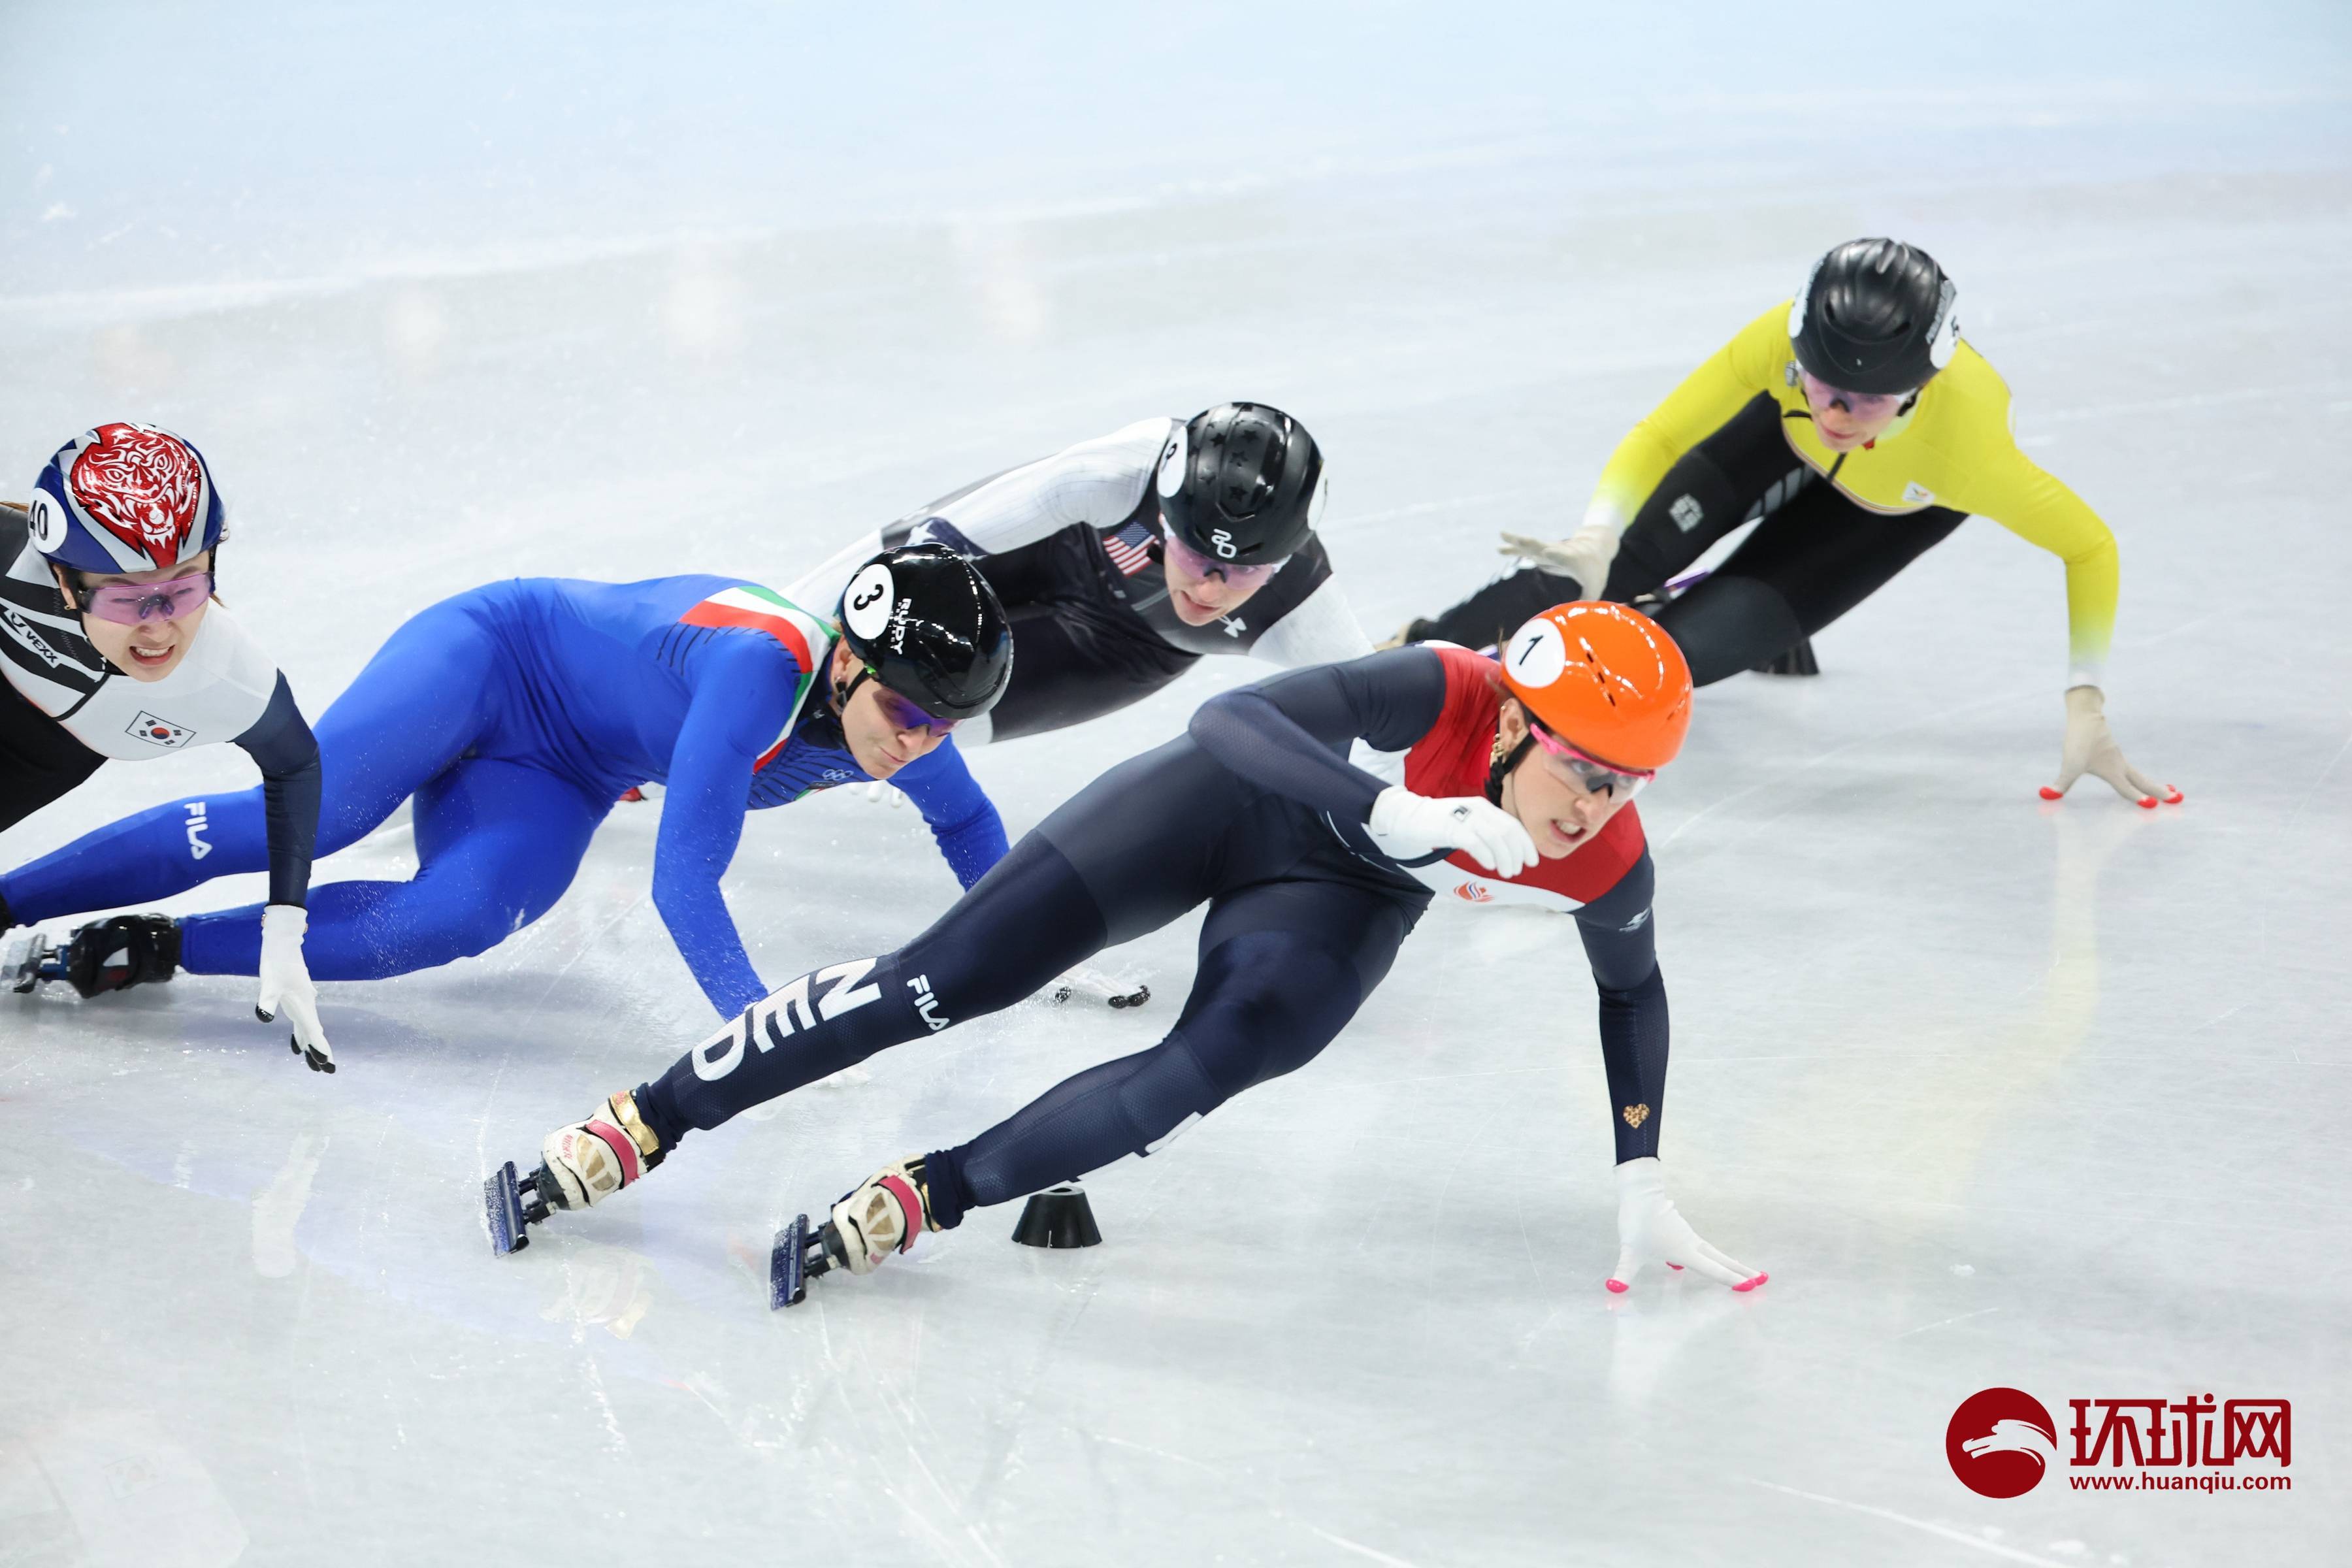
21, 958
799, 1256
788, 1266
502, 1203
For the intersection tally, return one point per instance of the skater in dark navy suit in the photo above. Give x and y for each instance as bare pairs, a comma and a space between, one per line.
1314, 873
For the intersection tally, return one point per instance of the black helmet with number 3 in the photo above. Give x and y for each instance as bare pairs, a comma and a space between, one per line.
928, 627
1241, 483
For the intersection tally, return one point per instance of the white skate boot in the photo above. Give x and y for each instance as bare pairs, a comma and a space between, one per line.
592, 1159
882, 1215
579, 1165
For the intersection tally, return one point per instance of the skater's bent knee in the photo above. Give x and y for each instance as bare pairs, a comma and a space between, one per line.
1729, 623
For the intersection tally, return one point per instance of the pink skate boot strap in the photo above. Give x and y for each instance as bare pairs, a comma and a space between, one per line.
623, 1147
902, 1191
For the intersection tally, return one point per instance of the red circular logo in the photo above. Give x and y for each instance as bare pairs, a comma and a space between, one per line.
2000, 1442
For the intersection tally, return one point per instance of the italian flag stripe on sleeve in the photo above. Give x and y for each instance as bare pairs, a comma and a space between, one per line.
749, 607
753, 608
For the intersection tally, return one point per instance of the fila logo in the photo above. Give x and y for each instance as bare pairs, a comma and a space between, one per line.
927, 1004
197, 823
1687, 512
1917, 494
783, 1011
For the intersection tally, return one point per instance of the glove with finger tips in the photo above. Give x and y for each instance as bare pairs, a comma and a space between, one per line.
1584, 555
286, 985
2090, 747
1409, 827
1650, 1229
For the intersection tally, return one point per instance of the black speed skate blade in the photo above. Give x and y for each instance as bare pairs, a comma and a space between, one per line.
799, 1256
510, 1204
1796, 660
26, 959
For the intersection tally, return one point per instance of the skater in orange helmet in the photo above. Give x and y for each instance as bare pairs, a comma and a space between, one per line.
1519, 779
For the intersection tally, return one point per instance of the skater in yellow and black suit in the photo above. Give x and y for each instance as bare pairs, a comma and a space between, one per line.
1860, 428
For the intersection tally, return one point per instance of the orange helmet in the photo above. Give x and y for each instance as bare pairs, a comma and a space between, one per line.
1604, 678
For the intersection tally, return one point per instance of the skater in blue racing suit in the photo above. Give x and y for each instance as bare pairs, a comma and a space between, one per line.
515, 715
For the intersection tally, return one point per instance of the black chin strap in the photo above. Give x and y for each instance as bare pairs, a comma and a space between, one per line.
841, 694
1500, 768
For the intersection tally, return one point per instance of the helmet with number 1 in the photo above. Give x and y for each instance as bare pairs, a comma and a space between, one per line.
929, 627
1241, 483
126, 497
1605, 679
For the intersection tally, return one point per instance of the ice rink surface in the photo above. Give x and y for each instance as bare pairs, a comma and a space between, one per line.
2001, 1092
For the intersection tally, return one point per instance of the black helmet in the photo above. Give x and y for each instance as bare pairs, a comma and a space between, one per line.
1875, 316
930, 628
1241, 482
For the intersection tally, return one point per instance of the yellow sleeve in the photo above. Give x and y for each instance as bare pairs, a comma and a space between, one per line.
1748, 364
2013, 490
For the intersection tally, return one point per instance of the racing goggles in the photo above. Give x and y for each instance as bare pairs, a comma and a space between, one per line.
897, 712
1200, 565
128, 603
1821, 397
1590, 775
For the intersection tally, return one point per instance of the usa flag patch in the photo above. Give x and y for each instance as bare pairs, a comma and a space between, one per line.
1130, 548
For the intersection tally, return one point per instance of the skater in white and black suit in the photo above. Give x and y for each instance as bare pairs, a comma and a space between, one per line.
1124, 560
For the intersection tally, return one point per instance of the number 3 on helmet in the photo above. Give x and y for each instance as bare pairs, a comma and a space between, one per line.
1605, 679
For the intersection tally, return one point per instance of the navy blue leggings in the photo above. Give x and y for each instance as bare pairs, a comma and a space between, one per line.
1288, 955
498, 837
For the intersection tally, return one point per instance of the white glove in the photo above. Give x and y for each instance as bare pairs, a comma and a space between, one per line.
1584, 555
1651, 1230
1408, 826
2091, 749
880, 794
1086, 980
285, 984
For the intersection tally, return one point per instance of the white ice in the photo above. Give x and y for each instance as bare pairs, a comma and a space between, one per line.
2001, 1092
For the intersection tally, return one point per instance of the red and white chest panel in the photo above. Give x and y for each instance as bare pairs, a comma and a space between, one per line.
1452, 759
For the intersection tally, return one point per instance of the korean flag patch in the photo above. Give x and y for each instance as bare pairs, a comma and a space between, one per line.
160, 731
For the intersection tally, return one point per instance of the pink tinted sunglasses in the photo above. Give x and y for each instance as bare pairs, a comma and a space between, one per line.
1590, 772
1820, 393
128, 603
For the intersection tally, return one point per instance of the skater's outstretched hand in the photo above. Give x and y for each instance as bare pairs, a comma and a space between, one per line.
1650, 1229
286, 985
1584, 555
2091, 749
1409, 826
